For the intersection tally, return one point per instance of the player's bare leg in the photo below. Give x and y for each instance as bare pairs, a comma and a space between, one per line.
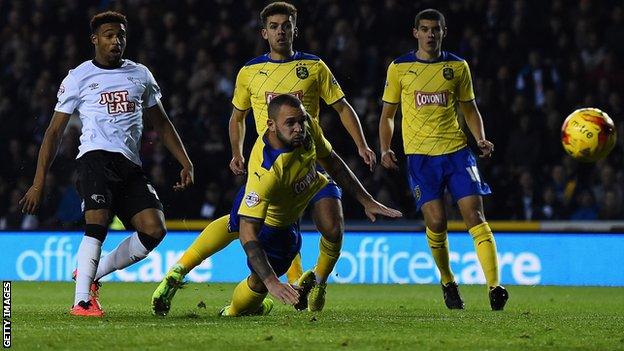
471, 208
437, 239
329, 220
85, 300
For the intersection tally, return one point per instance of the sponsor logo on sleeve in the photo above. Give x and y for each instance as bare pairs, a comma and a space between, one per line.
252, 199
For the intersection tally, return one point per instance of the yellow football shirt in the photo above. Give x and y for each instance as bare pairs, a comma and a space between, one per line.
304, 75
281, 182
428, 93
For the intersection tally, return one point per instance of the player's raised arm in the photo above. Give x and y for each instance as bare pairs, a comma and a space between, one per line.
386, 129
237, 139
338, 170
49, 147
157, 117
351, 122
248, 235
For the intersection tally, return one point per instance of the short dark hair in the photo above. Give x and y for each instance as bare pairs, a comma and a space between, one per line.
430, 14
107, 17
278, 8
281, 100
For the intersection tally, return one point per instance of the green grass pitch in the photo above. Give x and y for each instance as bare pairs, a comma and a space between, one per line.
356, 317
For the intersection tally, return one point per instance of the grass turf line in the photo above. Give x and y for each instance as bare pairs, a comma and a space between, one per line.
359, 317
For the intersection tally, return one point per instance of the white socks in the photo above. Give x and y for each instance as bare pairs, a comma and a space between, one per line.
129, 251
88, 257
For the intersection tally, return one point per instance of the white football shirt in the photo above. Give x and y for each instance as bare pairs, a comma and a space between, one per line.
110, 105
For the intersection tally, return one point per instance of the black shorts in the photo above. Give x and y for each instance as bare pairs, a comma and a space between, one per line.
108, 180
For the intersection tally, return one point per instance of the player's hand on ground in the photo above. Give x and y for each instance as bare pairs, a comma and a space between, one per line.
187, 178
486, 148
237, 165
31, 200
389, 160
284, 292
369, 157
375, 208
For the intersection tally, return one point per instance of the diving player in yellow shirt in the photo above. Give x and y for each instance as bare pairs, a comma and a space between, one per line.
282, 178
284, 71
429, 84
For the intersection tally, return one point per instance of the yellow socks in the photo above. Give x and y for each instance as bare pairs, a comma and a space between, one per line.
245, 300
211, 240
328, 256
438, 243
486, 251
295, 271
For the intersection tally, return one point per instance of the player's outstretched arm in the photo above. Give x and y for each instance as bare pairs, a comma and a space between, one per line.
248, 235
351, 122
338, 170
49, 147
157, 117
237, 138
475, 124
386, 129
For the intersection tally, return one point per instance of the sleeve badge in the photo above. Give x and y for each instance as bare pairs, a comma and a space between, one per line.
252, 199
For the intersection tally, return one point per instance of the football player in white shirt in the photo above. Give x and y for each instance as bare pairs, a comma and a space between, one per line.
111, 96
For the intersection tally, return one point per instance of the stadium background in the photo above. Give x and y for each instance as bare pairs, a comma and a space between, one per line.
533, 62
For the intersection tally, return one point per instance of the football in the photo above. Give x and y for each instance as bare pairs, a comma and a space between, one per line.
588, 134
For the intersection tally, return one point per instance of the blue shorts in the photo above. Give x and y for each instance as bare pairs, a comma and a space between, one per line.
428, 176
331, 190
280, 244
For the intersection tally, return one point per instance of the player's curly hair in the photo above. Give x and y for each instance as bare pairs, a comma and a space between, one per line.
278, 8
107, 17
430, 14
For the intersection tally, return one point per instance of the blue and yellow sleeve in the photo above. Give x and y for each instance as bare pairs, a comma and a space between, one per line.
329, 89
242, 97
465, 91
392, 90
323, 147
258, 193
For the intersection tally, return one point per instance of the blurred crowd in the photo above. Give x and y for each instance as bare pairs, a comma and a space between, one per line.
532, 61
